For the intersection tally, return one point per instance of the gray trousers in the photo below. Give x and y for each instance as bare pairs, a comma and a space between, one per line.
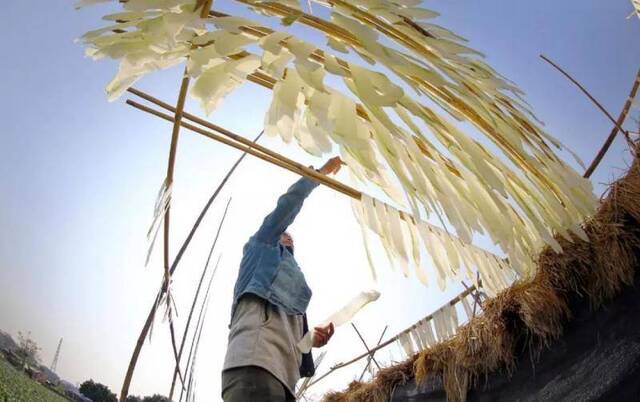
253, 384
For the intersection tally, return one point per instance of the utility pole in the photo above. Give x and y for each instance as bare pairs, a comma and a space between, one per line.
54, 364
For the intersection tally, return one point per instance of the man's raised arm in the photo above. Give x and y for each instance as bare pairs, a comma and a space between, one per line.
290, 203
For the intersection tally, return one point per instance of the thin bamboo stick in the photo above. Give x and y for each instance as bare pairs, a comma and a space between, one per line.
150, 317
195, 226
615, 130
271, 157
305, 384
267, 156
186, 328
365, 345
384, 331
295, 168
200, 323
176, 357
584, 90
168, 182
475, 296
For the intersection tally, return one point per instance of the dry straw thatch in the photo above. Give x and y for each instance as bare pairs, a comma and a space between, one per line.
534, 311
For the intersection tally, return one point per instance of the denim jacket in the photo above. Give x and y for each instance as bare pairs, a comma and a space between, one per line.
268, 269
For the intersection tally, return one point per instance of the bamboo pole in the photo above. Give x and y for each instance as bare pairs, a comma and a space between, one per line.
182, 96
136, 351
184, 86
204, 11
584, 90
615, 129
235, 137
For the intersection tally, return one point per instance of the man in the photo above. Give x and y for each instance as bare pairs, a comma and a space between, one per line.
268, 315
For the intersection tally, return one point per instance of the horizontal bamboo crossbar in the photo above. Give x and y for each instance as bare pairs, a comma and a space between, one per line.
257, 151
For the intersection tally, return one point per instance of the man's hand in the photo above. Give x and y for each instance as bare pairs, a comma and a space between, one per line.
321, 335
332, 166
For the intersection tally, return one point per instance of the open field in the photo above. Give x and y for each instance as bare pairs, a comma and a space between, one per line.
16, 386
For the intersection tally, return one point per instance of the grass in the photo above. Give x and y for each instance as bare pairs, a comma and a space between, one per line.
16, 386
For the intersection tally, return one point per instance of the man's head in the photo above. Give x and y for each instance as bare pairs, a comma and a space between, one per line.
287, 241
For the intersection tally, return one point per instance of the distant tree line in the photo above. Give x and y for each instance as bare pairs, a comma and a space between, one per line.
28, 350
101, 393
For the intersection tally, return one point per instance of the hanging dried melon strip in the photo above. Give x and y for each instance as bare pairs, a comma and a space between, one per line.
341, 317
218, 81
360, 212
428, 239
439, 327
467, 308
420, 273
448, 253
406, 344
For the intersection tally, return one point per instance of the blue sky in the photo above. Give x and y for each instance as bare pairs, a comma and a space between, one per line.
79, 176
